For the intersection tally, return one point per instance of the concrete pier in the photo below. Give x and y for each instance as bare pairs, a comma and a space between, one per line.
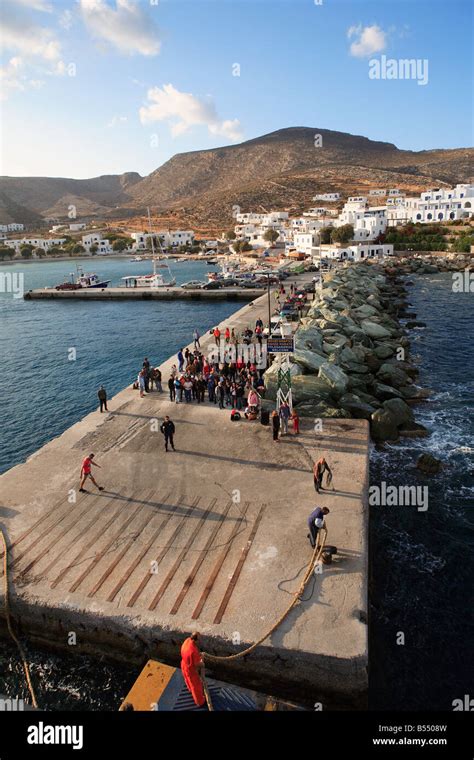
144, 294
211, 537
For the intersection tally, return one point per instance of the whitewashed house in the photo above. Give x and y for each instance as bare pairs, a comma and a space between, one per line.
96, 239
441, 204
327, 197
13, 227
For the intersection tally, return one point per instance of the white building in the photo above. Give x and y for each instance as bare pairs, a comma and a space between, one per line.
252, 227
327, 197
45, 243
96, 239
359, 252
13, 227
77, 226
169, 239
440, 205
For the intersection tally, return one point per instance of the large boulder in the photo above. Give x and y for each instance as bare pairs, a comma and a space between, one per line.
310, 388
428, 464
383, 392
309, 338
309, 360
357, 408
383, 426
374, 330
320, 409
365, 311
399, 409
334, 377
393, 375
383, 351
413, 430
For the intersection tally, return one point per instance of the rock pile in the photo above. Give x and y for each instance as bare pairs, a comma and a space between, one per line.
350, 350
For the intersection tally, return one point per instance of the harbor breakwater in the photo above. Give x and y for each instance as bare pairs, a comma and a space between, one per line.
352, 351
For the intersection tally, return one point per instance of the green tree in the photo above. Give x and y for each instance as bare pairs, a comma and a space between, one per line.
325, 235
26, 251
40, 253
230, 235
246, 246
463, 244
78, 248
342, 234
6, 252
94, 248
120, 244
271, 235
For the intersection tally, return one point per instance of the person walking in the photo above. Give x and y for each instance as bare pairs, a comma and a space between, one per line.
316, 523
141, 382
320, 467
102, 394
178, 390
168, 430
196, 337
217, 336
284, 417
156, 377
86, 472
171, 388
146, 374
275, 424
180, 360
296, 422
192, 667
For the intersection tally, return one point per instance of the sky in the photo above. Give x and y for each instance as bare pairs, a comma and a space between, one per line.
92, 87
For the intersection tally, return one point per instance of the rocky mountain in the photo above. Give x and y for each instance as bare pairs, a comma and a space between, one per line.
283, 169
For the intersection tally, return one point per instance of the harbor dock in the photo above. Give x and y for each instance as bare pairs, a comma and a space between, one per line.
151, 294
212, 537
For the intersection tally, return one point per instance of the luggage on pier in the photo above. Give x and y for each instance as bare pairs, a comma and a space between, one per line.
235, 415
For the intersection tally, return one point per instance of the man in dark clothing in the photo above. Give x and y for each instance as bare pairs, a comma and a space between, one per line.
168, 429
146, 367
315, 523
221, 394
320, 467
102, 394
171, 389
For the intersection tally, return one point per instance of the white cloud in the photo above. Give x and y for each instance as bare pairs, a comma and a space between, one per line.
13, 78
184, 110
36, 5
124, 25
368, 40
117, 120
66, 19
34, 48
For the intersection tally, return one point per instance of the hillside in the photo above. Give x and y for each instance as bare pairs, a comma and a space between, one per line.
283, 169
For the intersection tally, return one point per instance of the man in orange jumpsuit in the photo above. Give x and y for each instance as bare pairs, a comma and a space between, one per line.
191, 667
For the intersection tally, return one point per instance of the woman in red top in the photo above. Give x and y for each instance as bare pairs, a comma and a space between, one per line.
227, 335
191, 666
86, 472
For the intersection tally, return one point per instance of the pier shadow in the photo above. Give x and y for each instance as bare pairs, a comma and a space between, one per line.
157, 506
249, 462
8, 512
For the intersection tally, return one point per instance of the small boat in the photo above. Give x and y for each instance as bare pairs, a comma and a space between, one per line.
137, 258
153, 280
83, 280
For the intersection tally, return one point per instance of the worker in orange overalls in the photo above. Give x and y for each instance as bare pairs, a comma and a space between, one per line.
191, 667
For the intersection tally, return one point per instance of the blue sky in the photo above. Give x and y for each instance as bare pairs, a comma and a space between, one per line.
106, 86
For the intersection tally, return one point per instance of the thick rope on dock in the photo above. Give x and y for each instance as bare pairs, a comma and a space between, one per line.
318, 550
9, 625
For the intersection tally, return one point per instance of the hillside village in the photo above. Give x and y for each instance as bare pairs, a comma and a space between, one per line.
354, 228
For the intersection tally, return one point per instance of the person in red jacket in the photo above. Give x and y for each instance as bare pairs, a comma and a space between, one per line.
191, 667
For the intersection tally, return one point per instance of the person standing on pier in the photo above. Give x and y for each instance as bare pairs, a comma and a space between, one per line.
102, 394
180, 360
196, 337
284, 413
316, 523
217, 336
320, 467
192, 667
86, 472
146, 374
275, 424
171, 388
168, 430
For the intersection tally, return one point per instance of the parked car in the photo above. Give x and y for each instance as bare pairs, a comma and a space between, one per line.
211, 285
193, 284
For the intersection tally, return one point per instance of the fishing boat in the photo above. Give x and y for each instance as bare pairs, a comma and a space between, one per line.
155, 279
82, 279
